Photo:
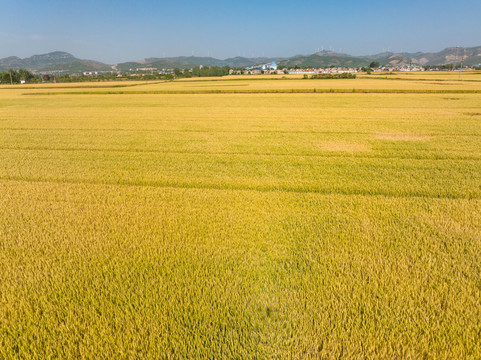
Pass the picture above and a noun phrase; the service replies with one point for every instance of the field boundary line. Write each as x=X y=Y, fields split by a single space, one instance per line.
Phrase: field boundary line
x=9 y=87
x=326 y=154
x=225 y=131
x=233 y=187
x=417 y=79
x=278 y=91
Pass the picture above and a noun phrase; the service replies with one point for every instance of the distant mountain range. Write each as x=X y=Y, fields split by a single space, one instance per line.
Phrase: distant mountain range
x=191 y=61
x=469 y=56
x=62 y=61
x=324 y=59
x=54 y=61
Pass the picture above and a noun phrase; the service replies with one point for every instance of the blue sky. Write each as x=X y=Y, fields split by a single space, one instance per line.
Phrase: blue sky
x=123 y=30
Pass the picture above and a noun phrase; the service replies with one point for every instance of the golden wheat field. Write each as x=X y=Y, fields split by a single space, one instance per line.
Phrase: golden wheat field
x=160 y=221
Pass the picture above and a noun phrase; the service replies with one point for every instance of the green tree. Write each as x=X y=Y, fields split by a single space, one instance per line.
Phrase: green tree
x=374 y=64
x=4 y=78
x=196 y=71
x=26 y=75
x=10 y=77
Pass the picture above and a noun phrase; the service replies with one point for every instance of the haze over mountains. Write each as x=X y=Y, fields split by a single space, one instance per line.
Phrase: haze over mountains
x=63 y=61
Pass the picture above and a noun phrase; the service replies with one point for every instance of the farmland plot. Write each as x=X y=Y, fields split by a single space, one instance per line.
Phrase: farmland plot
x=240 y=225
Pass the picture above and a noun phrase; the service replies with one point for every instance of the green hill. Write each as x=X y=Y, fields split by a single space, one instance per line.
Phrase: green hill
x=317 y=61
x=78 y=66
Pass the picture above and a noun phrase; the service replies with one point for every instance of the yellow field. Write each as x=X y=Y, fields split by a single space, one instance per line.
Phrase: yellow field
x=234 y=225
x=416 y=81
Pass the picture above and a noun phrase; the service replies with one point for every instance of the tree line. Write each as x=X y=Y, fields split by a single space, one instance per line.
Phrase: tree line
x=331 y=76
x=203 y=71
x=17 y=76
